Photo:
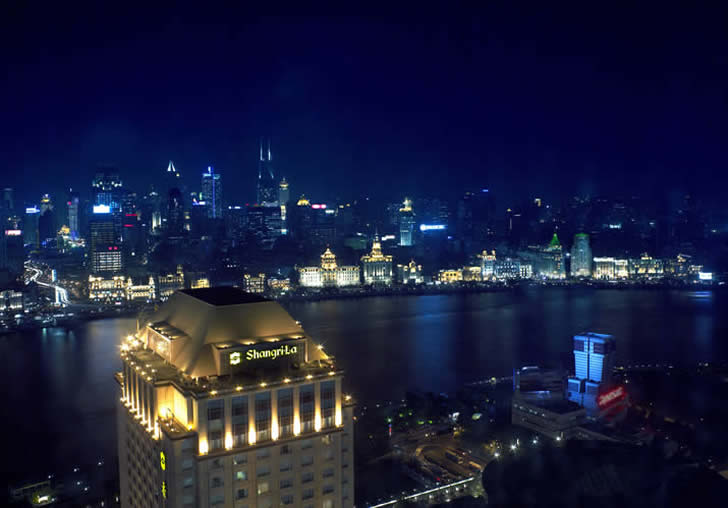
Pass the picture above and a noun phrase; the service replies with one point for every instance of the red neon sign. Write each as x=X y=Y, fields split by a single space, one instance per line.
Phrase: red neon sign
x=611 y=397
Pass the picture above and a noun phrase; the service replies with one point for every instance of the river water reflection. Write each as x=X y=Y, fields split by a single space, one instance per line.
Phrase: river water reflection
x=60 y=392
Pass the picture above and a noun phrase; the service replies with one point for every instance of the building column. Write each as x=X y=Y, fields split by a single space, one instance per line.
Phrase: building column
x=252 y=435
x=296 y=411
x=274 y=429
x=337 y=402
x=317 y=406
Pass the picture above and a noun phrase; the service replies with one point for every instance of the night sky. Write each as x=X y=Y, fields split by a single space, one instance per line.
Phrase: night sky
x=526 y=101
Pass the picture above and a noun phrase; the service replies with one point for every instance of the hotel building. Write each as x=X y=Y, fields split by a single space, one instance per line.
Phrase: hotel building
x=226 y=401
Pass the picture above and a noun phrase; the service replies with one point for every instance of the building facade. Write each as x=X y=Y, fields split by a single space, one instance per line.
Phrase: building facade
x=594 y=361
x=411 y=273
x=581 y=256
x=245 y=411
x=406 y=224
x=377 y=267
x=329 y=274
x=212 y=193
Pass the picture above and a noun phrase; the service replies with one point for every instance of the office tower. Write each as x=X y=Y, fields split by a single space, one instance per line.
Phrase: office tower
x=30 y=226
x=212 y=193
x=581 y=256
x=594 y=361
x=475 y=220
x=131 y=235
x=12 y=252
x=104 y=250
x=264 y=224
x=46 y=221
x=73 y=205
x=267 y=189
x=376 y=267
x=283 y=197
x=226 y=401
x=329 y=274
x=406 y=224
x=8 y=201
x=410 y=273
x=175 y=212
x=106 y=187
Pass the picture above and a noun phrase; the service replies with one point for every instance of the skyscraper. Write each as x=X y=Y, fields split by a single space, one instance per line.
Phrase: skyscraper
x=267 y=189
x=30 y=226
x=226 y=401
x=212 y=193
x=46 y=221
x=73 y=203
x=594 y=361
x=103 y=243
x=283 y=197
x=581 y=256
x=406 y=224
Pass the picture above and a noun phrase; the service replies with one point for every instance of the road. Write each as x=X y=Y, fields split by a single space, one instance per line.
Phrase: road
x=35 y=276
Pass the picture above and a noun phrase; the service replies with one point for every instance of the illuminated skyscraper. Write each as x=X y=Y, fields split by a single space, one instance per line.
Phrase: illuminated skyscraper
x=226 y=401
x=581 y=256
x=376 y=267
x=30 y=226
x=594 y=361
x=283 y=197
x=212 y=193
x=104 y=248
x=267 y=189
x=406 y=224
x=46 y=221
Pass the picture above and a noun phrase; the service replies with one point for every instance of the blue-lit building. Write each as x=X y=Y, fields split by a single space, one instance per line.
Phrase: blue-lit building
x=212 y=193
x=594 y=360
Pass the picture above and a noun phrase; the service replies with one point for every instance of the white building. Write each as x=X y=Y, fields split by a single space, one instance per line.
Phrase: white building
x=329 y=274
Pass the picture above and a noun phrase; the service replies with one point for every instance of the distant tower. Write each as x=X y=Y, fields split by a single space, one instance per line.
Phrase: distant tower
x=406 y=224
x=581 y=256
x=74 y=200
x=212 y=193
x=267 y=188
x=283 y=197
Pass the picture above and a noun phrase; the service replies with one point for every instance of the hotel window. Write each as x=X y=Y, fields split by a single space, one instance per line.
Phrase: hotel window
x=287 y=499
x=263 y=487
x=328 y=503
x=328 y=489
x=578 y=345
x=262 y=416
x=215 y=413
x=328 y=389
x=240 y=459
x=307 y=460
x=215 y=481
x=217 y=500
x=285 y=411
x=307 y=407
x=599 y=348
x=241 y=475
x=286 y=483
x=263 y=470
x=328 y=473
x=307 y=494
x=286 y=450
x=306 y=477
x=241 y=494
x=263 y=453
x=240 y=421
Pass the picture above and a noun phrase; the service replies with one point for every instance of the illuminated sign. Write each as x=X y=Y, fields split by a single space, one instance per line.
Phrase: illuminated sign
x=317 y=207
x=32 y=210
x=13 y=232
x=705 y=275
x=102 y=209
x=163 y=461
x=236 y=357
x=614 y=395
x=432 y=227
x=164 y=490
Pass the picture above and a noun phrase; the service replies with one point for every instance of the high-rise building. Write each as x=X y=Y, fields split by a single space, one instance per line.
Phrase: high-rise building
x=284 y=196
x=581 y=256
x=267 y=189
x=31 y=218
x=175 y=212
x=103 y=244
x=406 y=224
x=377 y=267
x=46 y=221
x=329 y=274
x=264 y=223
x=226 y=401
x=475 y=220
x=594 y=361
x=212 y=193
x=73 y=204
x=12 y=252
x=106 y=188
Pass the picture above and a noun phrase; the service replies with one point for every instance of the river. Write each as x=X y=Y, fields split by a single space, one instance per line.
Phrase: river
x=60 y=392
